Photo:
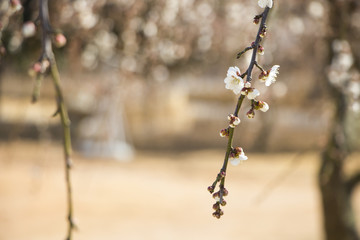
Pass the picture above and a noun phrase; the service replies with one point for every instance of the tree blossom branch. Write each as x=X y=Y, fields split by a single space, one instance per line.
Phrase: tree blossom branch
x=234 y=81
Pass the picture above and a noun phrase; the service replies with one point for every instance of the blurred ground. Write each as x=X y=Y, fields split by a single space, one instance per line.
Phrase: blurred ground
x=156 y=196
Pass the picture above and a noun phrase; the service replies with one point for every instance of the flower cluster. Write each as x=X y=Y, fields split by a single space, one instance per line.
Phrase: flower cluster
x=236 y=82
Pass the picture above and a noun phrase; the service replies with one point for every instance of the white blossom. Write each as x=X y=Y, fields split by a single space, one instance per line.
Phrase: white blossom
x=233 y=81
x=271 y=76
x=264 y=107
x=237 y=156
x=265 y=3
x=253 y=93
x=28 y=29
x=237 y=160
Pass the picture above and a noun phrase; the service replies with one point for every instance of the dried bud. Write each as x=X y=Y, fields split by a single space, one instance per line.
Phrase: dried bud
x=28 y=29
x=261 y=50
x=210 y=189
x=60 y=40
x=222 y=174
x=223 y=202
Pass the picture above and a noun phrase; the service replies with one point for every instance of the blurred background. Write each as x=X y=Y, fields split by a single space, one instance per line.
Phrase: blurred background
x=143 y=82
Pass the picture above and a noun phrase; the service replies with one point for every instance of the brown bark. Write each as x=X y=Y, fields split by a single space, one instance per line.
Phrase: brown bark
x=339 y=221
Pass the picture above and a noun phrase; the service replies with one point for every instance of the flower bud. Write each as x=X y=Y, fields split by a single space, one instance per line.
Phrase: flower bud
x=222 y=174
x=234 y=121
x=15 y=5
x=225 y=192
x=216 y=206
x=28 y=29
x=248 y=84
x=261 y=105
x=224 y=132
x=250 y=114
x=252 y=93
x=263 y=32
x=263 y=75
x=216 y=196
x=60 y=40
x=210 y=189
x=261 y=50
x=256 y=20
x=223 y=202
x=216 y=214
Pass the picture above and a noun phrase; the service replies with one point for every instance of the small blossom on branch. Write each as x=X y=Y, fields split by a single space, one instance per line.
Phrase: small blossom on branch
x=28 y=29
x=251 y=93
x=234 y=121
x=237 y=155
x=233 y=80
x=224 y=132
x=265 y=3
x=269 y=77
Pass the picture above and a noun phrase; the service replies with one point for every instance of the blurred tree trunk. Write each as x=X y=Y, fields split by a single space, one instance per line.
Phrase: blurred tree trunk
x=336 y=188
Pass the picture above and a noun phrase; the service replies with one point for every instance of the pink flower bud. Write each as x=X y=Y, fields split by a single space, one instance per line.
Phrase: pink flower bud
x=37 y=67
x=60 y=40
x=15 y=5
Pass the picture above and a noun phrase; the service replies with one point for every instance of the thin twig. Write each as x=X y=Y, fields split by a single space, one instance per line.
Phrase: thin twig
x=48 y=54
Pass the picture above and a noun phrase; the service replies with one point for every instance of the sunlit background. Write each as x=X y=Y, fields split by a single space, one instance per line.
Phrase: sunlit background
x=144 y=85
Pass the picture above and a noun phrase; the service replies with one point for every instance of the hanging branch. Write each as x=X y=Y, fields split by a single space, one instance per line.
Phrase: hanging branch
x=47 y=63
x=235 y=82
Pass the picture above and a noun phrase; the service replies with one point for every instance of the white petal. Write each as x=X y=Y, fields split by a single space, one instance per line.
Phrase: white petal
x=234 y=161
x=253 y=94
x=233 y=71
x=265 y=3
x=265 y=107
x=242 y=157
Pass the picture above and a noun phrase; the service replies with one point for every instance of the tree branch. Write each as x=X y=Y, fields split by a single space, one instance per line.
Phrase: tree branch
x=48 y=55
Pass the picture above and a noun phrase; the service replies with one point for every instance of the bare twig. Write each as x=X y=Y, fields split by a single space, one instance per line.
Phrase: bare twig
x=49 y=58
